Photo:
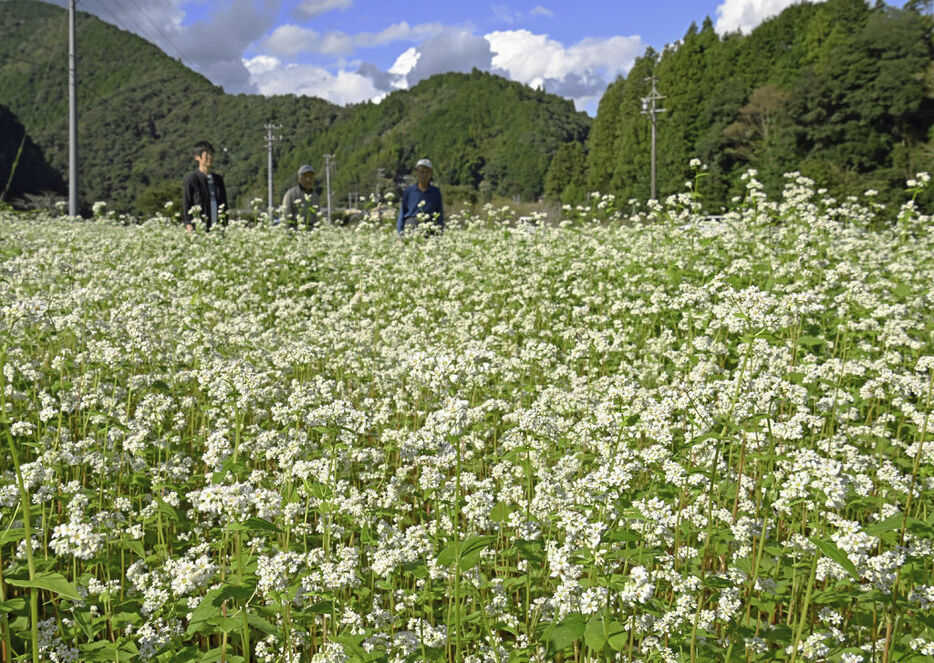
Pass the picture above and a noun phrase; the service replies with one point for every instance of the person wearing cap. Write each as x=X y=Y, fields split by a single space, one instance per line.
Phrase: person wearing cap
x=300 y=203
x=421 y=201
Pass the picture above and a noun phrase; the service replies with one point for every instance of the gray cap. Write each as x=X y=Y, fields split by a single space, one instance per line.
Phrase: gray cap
x=424 y=162
x=305 y=169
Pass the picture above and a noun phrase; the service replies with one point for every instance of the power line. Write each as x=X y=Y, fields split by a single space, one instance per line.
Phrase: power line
x=17 y=58
x=130 y=21
x=159 y=30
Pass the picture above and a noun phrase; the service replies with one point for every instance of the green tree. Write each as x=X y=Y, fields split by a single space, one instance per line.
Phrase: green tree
x=567 y=175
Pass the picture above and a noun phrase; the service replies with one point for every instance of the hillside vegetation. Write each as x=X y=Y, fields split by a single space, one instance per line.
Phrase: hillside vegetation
x=141 y=111
x=23 y=168
x=841 y=91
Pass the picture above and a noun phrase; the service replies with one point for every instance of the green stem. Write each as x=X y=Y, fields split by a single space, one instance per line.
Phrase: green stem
x=30 y=562
x=802 y=620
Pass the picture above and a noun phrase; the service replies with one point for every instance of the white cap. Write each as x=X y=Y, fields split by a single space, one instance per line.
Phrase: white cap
x=424 y=162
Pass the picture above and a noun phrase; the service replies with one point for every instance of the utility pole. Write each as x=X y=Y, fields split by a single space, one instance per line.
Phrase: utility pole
x=380 y=174
x=327 y=177
x=270 y=139
x=650 y=108
x=72 y=115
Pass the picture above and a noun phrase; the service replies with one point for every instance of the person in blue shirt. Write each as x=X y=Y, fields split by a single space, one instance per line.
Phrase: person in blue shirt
x=421 y=201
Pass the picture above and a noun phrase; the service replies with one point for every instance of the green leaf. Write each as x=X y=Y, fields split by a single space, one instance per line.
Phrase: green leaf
x=82 y=620
x=227 y=624
x=500 y=512
x=162 y=387
x=618 y=636
x=832 y=551
x=567 y=632
x=261 y=624
x=53 y=582
x=136 y=547
x=533 y=551
x=902 y=291
x=12 y=536
x=322 y=607
x=594 y=634
x=210 y=606
x=810 y=341
x=254 y=524
x=717 y=582
x=470 y=550
x=13 y=605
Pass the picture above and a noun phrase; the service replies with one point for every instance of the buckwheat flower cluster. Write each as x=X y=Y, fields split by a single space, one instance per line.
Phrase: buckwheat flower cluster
x=277 y=571
x=188 y=575
x=52 y=647
x=76 y=538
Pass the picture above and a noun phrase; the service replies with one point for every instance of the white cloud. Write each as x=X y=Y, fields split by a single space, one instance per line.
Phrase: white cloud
x=405 y=62
x=452 y=50
x=526 y=56
x=343 y=87
x=505 y=14
x=292 y=39
x=744 y=15
x=510 y=16
x=311 y=8
x=400 y=32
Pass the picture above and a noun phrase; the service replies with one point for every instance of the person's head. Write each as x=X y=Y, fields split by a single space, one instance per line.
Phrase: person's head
x=204 y=155
x=306 y=177
x=423 y=171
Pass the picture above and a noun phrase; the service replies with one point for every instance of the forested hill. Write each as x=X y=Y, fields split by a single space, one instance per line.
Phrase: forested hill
x=141 y=111
x=32 y=174
x=841 y=91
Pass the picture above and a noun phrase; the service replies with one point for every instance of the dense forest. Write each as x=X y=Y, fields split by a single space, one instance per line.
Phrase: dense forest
x=141 y=112
x=842 y=91
x=23 y=168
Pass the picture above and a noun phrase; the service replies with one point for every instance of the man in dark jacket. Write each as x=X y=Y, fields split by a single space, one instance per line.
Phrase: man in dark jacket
x=204 y=190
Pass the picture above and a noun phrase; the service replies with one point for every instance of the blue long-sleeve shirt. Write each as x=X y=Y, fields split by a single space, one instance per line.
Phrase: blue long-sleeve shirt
x=426 y=204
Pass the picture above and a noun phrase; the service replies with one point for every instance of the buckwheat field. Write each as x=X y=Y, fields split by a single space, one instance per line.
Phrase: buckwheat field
x=640 y=434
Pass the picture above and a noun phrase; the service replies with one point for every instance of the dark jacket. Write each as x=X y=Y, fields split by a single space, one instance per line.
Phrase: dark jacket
x=195 y=192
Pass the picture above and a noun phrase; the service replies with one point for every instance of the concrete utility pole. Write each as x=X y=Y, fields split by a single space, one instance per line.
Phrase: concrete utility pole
x=270 y=139
x=650 y=108
x=72 y=115
x=327 y=177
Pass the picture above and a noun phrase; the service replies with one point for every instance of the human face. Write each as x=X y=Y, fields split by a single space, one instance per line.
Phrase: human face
x=205 y=161
x=307 y=180
x=423 y=175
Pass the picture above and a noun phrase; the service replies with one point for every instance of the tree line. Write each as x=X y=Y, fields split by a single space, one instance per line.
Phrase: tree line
x=840 y=91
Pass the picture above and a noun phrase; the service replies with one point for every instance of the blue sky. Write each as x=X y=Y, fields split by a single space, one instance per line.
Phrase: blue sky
x=348 y=51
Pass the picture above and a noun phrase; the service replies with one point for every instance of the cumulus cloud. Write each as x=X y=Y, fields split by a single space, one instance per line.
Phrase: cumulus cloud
x=292 y=39
x=744 y=15
x=215 y=46
x=581 y=71
x=454 y=50
x=272 y=76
